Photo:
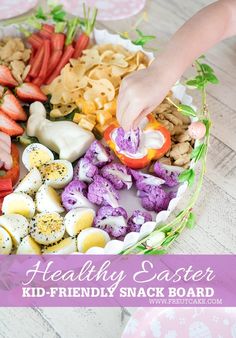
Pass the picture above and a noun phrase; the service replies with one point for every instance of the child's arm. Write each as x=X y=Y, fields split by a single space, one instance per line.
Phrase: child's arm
x=142 y=91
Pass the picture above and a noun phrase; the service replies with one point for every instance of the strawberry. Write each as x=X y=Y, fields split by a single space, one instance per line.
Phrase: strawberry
x=6 y=78
x=9 y=126
x=12 y=107
x=30 y=92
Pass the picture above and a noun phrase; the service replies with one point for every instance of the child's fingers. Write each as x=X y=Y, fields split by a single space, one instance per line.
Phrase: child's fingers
x=141 y=116
x=130 y=114
x=122 y=104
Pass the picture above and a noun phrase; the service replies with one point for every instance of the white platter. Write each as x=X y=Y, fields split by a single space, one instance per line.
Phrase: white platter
x=132 y=203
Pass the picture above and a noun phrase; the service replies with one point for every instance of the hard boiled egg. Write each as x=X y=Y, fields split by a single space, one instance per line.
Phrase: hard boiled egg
x=48 y=200
x=16 y=225
x=64 y=247
x=47 y=228
x=19 y=203
x=57 y=173
x=30 y=183
x=90 y=237
x=5 y=242
x=78 y=219
x=28 y=246
x=36 y=155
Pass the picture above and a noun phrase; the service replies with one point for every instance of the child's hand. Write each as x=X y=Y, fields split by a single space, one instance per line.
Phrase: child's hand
x=140 y=93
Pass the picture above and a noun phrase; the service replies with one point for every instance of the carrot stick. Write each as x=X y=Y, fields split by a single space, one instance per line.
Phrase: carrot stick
x=81 y=44
x=68 y=52
x=35 y=68
x=45 y=62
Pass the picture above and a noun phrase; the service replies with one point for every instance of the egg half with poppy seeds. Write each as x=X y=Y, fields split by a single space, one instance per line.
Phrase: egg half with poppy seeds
x=48 y=200
x=65 y=246
x=91 y=237
x=18 y=203
x=57 y=173
x=47 y=228
x=5 y=242
x=28 y=246
x=30 y=183
x=35 y=155
x=16 y=225
x=78 y=219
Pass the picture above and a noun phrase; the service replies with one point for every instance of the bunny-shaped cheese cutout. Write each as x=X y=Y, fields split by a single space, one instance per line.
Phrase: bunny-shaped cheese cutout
x=64 y=137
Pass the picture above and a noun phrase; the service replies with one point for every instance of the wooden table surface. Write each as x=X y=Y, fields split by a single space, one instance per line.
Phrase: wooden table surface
x=215 y=209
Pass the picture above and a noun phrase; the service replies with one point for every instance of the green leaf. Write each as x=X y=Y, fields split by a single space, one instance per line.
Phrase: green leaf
x=191 y=221
x=186 y=110
x=212 y=78
x=207 y=124
x=170 y=239
x=142 y=39
x=206 y=68
x=192 y=83
x=187 y=175
x=155 y=252
x=40 y=14
x=198 y=152
x=58 y=14
x=169 y=229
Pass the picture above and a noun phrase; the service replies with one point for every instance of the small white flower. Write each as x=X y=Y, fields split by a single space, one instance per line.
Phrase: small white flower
x=131 y=327
x=171 y=334
x=143 y=334
x=156 y=328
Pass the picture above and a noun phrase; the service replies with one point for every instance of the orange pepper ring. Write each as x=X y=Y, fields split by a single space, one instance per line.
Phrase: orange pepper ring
x=152 y=154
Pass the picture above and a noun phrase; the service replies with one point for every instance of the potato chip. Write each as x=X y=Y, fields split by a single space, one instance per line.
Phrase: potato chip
x=110 y=58
x=101 y=72
x=98 y=88
x=90 y=58
x=65 y=109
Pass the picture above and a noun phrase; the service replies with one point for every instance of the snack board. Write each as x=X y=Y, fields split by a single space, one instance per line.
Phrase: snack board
x=128 y=199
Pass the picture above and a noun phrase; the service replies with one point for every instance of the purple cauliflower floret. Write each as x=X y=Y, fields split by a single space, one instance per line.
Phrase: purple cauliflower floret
x=85 y=170
x=137 y=219
x=170 y=177
x=74 y=196
x=98 y=155
x=128 y=141
x=155 y=198
x=112 y=220
x=102 y=192
x=142 y=180
x=118 y=175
